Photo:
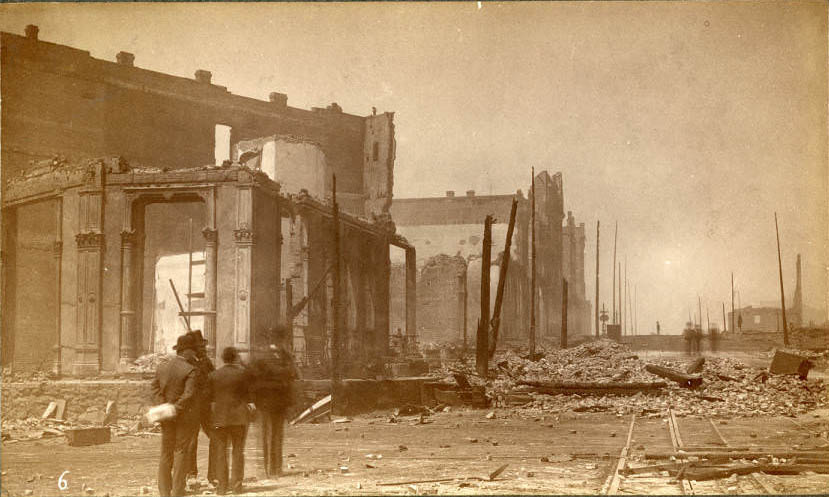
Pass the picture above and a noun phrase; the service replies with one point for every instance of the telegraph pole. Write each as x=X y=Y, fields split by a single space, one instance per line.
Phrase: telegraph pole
x=625 y=313
x=532 y=270
x=635 y=311
x=596 y=302
x=732 y=303
x=724 y=326
x=782 y=295
x=619 y=279
x=615 y=237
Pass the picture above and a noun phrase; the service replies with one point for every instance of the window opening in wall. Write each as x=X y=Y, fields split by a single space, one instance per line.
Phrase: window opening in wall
x=376 y=151
x=221 y=150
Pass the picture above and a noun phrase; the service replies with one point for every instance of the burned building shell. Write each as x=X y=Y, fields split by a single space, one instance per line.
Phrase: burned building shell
x=447 y=233
x=104 y=183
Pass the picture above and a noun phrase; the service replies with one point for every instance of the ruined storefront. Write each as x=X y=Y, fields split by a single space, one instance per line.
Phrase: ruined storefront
x=90 y=245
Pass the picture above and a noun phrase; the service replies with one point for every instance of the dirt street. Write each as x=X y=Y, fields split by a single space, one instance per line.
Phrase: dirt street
x=564 y=453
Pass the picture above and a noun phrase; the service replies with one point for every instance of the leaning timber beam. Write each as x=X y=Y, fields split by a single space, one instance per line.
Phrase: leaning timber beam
x=686 y=380
x=555 y=388
x=753 y=454
x=502 y=280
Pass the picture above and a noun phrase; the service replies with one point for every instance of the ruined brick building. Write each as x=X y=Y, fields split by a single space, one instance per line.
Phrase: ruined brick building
x=447 y=233
x=110 y=173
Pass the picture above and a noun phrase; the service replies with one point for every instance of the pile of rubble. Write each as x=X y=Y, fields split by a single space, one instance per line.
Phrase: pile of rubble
x=591 y=376
x=148 y=363
x=37 y=428
x=10 y=376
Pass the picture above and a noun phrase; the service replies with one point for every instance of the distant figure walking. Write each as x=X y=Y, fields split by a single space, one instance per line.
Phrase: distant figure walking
x=697 y=341
x=688 y=336
x=658 y=329
x=175 y=383
x=713 y=339
x=231 y=410
x=274 y=393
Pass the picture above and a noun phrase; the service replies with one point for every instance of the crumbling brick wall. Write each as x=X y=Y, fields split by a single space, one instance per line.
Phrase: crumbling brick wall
x=440 y=303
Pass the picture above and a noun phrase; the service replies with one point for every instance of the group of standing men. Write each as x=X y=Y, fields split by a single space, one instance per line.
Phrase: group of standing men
x=222 y=402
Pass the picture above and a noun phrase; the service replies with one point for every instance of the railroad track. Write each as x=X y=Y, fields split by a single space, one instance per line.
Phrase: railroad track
x=628 y=480
x=656 y=479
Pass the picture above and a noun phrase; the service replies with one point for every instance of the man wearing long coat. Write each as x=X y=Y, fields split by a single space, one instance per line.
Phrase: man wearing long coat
x=175 y=383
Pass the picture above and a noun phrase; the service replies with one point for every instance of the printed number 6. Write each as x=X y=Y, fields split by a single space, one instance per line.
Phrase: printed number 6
x=63 y=484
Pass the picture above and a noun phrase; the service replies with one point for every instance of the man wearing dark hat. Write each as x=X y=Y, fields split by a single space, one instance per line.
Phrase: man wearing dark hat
x=229 y=388
x=175 y=383
x=274 y=394
x=204 y=366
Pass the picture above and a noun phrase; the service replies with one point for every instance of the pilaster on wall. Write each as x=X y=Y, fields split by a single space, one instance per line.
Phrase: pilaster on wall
x=211 y=257
x=90 y=243
x=244 y=240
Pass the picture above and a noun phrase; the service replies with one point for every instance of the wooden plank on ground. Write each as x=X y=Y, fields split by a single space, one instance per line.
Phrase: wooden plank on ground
x=676 y=429
x=718 y=432
x=613 y=487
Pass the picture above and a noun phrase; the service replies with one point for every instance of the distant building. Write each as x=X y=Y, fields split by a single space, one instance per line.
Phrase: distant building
x=769 y=318
x=758 y=318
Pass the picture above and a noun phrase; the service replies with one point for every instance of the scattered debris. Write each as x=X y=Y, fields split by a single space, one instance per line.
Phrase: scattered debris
x=50 y=409
x=148 y=363
x=88 y=436
x=317 y=409
x=787 y=363
x=724 y=386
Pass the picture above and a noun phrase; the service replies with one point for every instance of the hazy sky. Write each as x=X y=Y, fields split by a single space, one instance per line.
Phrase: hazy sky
x=689 y=123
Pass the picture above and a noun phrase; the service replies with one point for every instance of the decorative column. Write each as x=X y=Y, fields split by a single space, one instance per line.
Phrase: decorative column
x=210 y=260
x=127 y=350
x=57 y=252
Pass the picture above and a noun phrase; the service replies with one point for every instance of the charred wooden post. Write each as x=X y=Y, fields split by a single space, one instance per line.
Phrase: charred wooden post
x=782 y=294
x=564 y=313
x=502 y=280
x=482 y=347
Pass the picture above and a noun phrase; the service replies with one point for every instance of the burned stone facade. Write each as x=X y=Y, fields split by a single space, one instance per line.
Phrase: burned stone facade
x=579 y=311
x=449 y=229
x=84 y=238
